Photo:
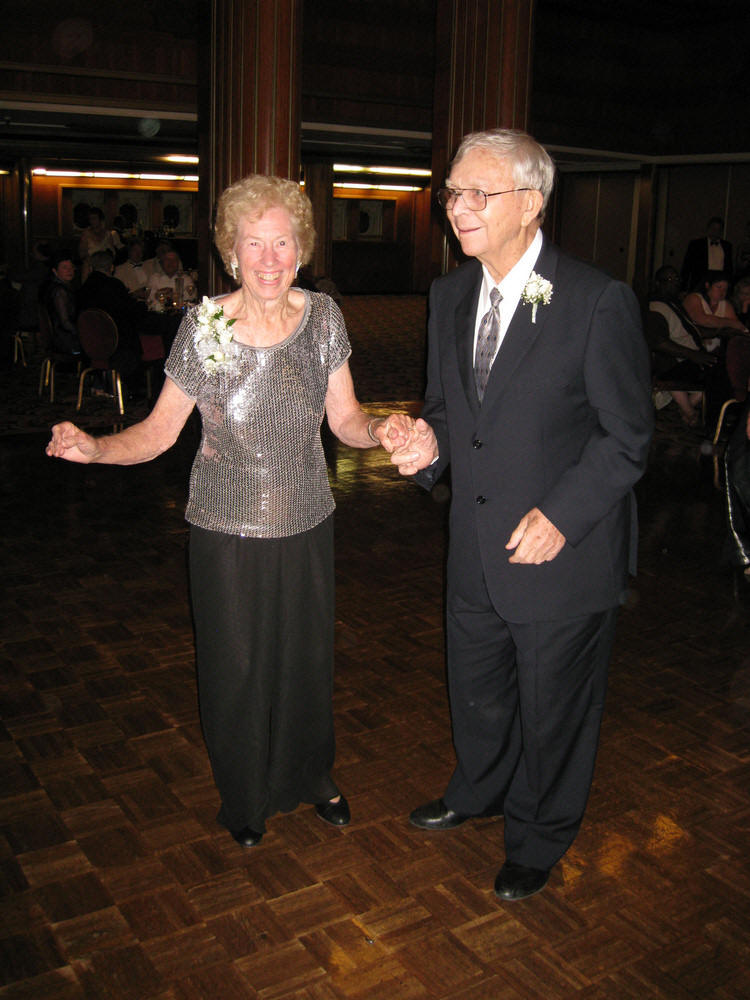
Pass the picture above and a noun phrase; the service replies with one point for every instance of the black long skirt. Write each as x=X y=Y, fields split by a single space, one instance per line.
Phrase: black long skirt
x=264 y=616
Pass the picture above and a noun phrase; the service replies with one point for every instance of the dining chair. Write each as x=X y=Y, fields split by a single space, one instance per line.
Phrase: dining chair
x=51 y=357
x=152 y=352
x=97 y=332
x=725 y=406
x=19 y=353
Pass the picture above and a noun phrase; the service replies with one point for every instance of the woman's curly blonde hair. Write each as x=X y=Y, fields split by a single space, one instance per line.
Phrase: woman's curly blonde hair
x=251 y=197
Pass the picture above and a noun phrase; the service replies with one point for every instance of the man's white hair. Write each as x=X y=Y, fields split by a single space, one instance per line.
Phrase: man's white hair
x=531 y=164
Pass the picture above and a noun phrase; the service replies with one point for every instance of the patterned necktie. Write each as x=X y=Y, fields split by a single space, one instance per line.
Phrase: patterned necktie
x=489 y=331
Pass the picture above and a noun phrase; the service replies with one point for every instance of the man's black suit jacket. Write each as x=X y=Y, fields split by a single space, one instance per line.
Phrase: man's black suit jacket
x=565 y=426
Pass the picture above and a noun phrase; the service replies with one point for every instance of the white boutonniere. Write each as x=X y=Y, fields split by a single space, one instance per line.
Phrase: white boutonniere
x=537 y=292
x=213 y=336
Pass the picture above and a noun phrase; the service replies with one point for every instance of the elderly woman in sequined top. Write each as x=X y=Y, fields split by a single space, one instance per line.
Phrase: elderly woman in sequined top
x=263 y=365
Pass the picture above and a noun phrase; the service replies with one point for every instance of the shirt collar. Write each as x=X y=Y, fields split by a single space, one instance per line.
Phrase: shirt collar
x=511 y=286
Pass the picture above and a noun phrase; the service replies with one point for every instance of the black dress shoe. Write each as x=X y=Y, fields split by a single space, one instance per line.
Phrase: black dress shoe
x=246 y=837
x=335 y=813
x=518 y=882
x=436 y=816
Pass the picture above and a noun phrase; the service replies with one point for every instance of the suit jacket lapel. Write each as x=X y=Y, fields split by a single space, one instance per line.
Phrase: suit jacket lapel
x=465 y=316
x=522 y=333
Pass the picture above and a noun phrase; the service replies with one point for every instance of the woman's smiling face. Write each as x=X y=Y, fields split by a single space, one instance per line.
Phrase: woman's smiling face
x=267 y=253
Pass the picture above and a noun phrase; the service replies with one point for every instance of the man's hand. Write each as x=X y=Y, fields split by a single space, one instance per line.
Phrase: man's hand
x=535 y=539
x=419 y=450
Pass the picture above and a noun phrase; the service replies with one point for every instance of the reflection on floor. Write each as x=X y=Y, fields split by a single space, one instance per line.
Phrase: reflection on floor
x=117 y=882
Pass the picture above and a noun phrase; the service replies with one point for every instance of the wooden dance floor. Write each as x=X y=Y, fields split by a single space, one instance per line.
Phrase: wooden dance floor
x=117 y=883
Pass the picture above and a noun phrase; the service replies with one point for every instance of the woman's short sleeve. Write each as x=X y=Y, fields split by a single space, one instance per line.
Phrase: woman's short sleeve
x=183 y=365
x=339 y=347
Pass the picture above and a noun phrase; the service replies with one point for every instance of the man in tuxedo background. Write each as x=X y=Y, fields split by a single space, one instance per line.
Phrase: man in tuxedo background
x=538 y=397
x=708 y=253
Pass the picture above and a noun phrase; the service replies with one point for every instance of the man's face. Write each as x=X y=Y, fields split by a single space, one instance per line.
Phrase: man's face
x=497 y=232
x=714 y=230
x=170 y=262
x=135 y=253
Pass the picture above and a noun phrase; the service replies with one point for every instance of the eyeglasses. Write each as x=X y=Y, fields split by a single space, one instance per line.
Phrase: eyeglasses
x=475 y=200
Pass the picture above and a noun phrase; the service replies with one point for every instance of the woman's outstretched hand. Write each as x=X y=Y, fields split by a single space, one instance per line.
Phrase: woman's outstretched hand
x=72 y=444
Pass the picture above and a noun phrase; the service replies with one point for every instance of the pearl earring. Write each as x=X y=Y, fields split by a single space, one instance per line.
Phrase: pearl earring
x=233 y=268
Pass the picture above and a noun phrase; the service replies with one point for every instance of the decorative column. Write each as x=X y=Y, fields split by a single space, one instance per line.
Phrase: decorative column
x=482 y=80
x=319 y=189
x=249 y=104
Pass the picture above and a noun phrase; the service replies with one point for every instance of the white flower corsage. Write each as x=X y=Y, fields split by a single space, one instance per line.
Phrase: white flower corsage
x=212 y=336
x=537 y=292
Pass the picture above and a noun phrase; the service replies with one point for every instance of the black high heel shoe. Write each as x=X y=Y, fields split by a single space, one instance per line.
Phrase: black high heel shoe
x=335 y=813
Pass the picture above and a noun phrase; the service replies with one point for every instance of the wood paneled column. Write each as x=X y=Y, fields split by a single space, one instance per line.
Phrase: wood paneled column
x=319 y=189
x=482 y=80
x=250 y=97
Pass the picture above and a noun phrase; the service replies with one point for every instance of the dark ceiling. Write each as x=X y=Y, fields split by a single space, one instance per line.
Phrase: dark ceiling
x=646 y=77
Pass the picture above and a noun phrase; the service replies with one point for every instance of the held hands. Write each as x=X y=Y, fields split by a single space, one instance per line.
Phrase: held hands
x=414 y=444
x=535 y=539
x=394 y=431
x=72 y=444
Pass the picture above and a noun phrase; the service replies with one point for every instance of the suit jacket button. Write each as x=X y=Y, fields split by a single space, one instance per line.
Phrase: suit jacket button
x=481 y=499
x=476 y=443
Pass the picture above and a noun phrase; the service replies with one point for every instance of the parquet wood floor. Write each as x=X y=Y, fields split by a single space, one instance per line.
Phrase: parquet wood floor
x=116 y=881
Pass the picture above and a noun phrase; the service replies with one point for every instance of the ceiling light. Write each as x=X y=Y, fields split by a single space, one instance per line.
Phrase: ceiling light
x=107 y=175
x=349 y=168
x=358 y=186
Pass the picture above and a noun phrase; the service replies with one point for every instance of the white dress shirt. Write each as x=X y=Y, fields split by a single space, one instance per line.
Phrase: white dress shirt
x=715 y=257
x=133 y=276
x=511 y=287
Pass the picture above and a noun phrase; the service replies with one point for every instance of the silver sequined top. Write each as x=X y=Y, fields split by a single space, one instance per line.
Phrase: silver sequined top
x=260 y=469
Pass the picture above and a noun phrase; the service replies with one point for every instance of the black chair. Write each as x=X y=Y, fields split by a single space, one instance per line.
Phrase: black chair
x=19 y=354
x=51 y=357
x=97 y=332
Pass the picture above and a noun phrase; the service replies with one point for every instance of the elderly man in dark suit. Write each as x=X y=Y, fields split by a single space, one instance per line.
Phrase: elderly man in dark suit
x=708 y=253
x=538 y=397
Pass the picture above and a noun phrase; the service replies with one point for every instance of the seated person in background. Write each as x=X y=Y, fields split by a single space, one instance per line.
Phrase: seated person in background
x=741 y=300
x=709 y=306
x=132 y=273
x=154 y=264
x=708 y=253
x=103 y=291
x=118 y=227
x=31 y=281
x=678 y=346
x=742 y=264
x=711 y=309
x=60 y=301
x=164 y=284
